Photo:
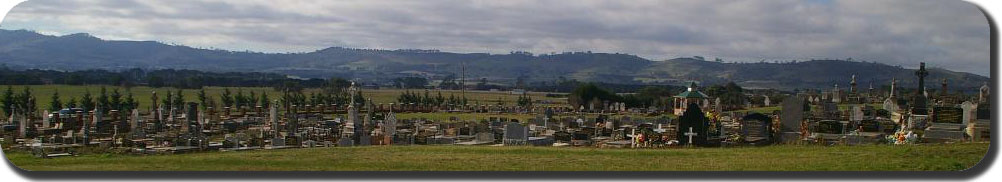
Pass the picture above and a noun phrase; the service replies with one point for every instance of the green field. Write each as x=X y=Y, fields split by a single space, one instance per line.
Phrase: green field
x=949 y=157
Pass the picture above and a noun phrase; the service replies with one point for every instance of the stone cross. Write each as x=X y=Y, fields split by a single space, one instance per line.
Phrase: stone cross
x=633 y=133
x=919 y=101
x=691 y=134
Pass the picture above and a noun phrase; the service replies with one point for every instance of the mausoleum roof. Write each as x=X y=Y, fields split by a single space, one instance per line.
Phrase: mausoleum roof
x=691 y=94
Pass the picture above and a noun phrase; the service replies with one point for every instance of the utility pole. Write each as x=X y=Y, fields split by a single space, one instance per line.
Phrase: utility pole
x=462 y=83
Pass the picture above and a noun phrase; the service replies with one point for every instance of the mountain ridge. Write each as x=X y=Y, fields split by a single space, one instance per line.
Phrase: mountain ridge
x=82 y=51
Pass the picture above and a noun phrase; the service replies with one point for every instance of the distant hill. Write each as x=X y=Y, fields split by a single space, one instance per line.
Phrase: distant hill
x=19 y=48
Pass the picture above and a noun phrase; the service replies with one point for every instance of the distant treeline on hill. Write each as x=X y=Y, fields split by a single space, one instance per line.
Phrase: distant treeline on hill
x=188 y=79
x=191 y=79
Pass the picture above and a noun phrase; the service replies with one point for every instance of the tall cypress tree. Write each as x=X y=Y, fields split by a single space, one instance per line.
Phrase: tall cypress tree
x=7 y=99
x=226 y=98
x=116 y=100
x=202 y=99
x=179 y=99
x=87 y=102
x=72 y=103
x=264 y=100
x=102 y=101
x=55 y=104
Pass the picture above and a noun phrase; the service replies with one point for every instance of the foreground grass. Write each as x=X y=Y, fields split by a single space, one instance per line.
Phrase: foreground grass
x=948 y=157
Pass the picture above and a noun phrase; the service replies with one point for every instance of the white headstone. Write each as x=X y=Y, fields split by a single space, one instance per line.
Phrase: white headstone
x=273 y=118
x=46 y=119
x=22 y=125
x=970 y=111
x=391 y=125
x=857 y=113
x=135 y=120
x=98 y=117
x=890 y=105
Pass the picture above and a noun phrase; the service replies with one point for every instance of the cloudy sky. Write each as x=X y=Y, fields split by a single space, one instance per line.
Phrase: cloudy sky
x=944 y=33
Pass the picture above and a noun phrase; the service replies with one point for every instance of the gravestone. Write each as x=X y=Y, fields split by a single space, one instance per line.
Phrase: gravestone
x=364 y=140
x=756 y=129
x=135 y=123
x=870 y=126
x=890 y=105
x=484 y=137
x=830 y=110
x=46 y=119
x=917 y=122
x=390 y=125
x=190 y=118
x=496 y=124
x=440 y=140
x=22 y=124
x=626 y=120
x=717 y=107
x=947 y=125
x=830 y=127
x=829 y=132
x=230 y=141
x=857 y=114
x=310 y=143
x=277 y=142
x=515 y=134
x=969 y=111
x=950 y=115
x=273 y=119
x=792 y=114
x=693 y=119
x=345 y=142
x=540 y=141
x=538 y=121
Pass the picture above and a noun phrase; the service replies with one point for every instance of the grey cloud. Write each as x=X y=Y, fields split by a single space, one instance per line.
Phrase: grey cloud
x=948 y=34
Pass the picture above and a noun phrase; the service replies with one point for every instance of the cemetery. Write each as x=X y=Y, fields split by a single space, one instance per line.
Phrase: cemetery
x=837 y=119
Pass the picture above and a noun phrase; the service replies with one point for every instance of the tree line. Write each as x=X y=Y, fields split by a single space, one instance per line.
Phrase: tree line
x=105 y=101
x=185 y=79
x=427 y=100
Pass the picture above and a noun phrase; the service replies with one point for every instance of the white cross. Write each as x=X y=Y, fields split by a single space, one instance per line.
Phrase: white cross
x=691 y=134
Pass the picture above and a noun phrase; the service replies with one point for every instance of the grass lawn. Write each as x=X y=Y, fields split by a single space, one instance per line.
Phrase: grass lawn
x=949 y=157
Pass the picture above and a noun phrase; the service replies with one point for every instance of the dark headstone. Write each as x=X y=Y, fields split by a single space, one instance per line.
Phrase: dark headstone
x=952 y=115
x=515 y=134
x=792 y=114
x=693 y=119
x=830 y=127
x=757 y=128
